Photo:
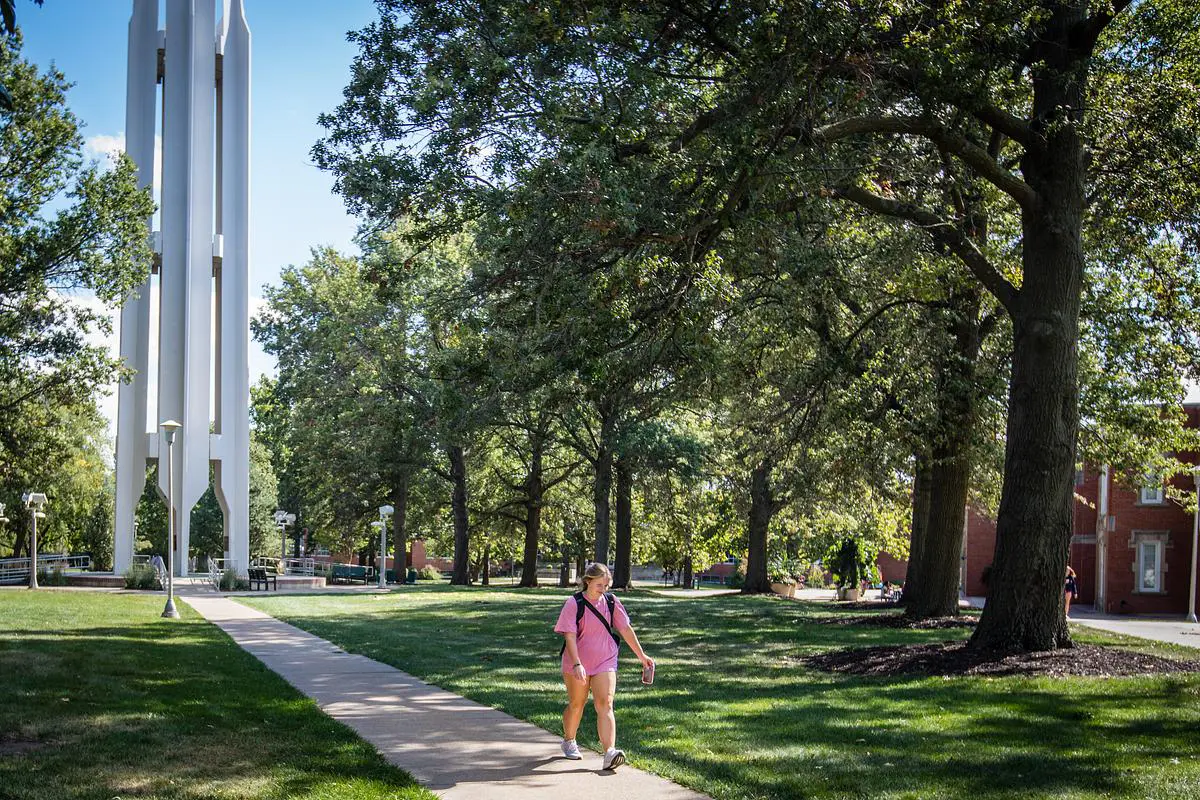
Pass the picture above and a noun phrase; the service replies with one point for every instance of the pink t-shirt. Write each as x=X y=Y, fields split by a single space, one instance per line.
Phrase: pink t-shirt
x=597 y=650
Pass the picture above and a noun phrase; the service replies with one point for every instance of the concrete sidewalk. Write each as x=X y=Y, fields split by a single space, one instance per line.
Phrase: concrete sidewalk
x=457 y=748
x=1173 y=631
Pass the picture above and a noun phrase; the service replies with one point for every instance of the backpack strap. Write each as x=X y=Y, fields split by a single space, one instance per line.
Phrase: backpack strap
x=582 y=605
x=579 y=603
x=611 y=610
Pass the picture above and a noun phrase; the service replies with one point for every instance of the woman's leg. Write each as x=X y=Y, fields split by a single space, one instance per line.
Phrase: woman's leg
x=1067 y=600
x=577 y=694
x=604 y=686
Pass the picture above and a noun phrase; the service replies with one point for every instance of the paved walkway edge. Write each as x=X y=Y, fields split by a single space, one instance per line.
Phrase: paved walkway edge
x=457 y=748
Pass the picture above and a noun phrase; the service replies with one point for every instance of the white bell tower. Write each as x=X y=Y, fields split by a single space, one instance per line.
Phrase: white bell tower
x=201 y=265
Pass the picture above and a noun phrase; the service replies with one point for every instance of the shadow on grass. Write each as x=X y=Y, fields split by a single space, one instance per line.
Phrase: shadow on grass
x=119 y=702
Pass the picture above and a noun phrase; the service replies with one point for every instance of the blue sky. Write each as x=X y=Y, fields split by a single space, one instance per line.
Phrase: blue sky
x=300 y=64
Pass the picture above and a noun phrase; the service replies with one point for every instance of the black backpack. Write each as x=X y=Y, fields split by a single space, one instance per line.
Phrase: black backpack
x=580 y=604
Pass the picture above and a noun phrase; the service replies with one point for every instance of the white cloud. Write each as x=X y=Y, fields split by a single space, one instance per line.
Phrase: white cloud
x=105 y=148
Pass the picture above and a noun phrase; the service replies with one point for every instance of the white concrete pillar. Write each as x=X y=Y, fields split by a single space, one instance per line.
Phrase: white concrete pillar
x=141 y=95
x=232 y=469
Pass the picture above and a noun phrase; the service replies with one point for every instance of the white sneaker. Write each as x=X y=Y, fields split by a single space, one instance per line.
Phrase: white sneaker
x=571 y=750
x=613 y=758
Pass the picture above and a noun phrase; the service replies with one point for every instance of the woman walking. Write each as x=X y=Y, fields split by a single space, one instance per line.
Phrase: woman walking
x=590 y=621
x=1070 y=590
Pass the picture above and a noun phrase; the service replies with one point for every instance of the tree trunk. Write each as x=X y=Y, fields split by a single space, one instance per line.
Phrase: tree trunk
x=623 y=567
x=937 y=594
x=458 y=503
x=939 y=566
x=686 y=579
x=602 y=489
x=920 y=524
x=564 y=571
x=762 y=508
x=1024 y=610
x=533 y=516
x=400 y=522
x=485 y=569
x=22 y=543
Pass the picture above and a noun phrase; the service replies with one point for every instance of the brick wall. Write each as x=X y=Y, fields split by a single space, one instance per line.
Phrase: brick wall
x=980 y=549
x=1132 y=518
x=893 y=570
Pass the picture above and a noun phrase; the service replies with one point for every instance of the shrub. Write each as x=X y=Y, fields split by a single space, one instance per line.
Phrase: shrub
x=850 y=562
x=429 y=573
x=141 y=576
x=738 y=578
x=815 y=577
x=783 y=570
x=230 y=582
x=48 y=578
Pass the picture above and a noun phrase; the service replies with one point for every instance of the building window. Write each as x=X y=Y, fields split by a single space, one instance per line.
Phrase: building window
x=1149 y=563
x=1151 y=493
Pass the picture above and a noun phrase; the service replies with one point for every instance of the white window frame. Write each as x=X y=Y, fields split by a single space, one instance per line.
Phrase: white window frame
x=1151 y=493
x=1159 y=546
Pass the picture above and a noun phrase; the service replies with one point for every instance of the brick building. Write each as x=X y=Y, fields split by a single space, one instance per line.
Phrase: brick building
x=1131 y=549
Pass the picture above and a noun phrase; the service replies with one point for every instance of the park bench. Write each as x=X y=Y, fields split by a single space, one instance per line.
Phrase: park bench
x=348 y=572
x=259 y=575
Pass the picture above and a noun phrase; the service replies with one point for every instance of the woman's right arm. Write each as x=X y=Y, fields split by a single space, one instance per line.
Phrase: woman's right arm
x=573 y=657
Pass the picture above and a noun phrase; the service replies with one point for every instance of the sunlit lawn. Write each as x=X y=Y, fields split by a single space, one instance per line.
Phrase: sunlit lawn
x=732 y=712
x=102 y=698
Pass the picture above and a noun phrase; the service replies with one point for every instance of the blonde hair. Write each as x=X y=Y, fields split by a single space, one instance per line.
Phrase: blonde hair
x=593 y=571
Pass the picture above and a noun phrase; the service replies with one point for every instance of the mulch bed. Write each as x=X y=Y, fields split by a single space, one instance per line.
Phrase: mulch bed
x=953 y=658
x=883 y=620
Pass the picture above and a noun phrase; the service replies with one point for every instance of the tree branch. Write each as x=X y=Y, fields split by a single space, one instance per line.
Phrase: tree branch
x=1084 y=37
x=967 y=152
x=943 y=233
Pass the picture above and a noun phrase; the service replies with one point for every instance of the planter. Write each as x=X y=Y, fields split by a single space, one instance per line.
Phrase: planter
x=847 y=593
x=784 y=589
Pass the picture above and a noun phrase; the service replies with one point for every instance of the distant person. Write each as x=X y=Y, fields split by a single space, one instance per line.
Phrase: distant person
x=590 y=622
x=1070 y=590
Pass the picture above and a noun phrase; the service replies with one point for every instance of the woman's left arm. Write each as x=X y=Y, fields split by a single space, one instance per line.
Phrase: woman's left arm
x=630 y=637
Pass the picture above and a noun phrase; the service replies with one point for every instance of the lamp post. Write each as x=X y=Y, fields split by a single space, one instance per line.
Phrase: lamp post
x=1191 y=617
x=170 y=428
x=34 y=502
x=283 y=519
x=385 y=511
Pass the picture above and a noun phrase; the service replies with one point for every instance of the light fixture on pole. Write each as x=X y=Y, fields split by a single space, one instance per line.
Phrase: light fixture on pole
x=385 y=511
x=169 y=429
x=1191 y=617
x=34 y=502
x=283 y=519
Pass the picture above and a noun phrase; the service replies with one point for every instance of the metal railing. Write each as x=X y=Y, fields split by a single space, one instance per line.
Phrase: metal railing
x=16 y=570
x=299 y=566
x=286 y=566
x=215 y=571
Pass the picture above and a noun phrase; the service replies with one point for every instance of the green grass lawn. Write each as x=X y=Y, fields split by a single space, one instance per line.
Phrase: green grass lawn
x=734 y=714
x=102 y=698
